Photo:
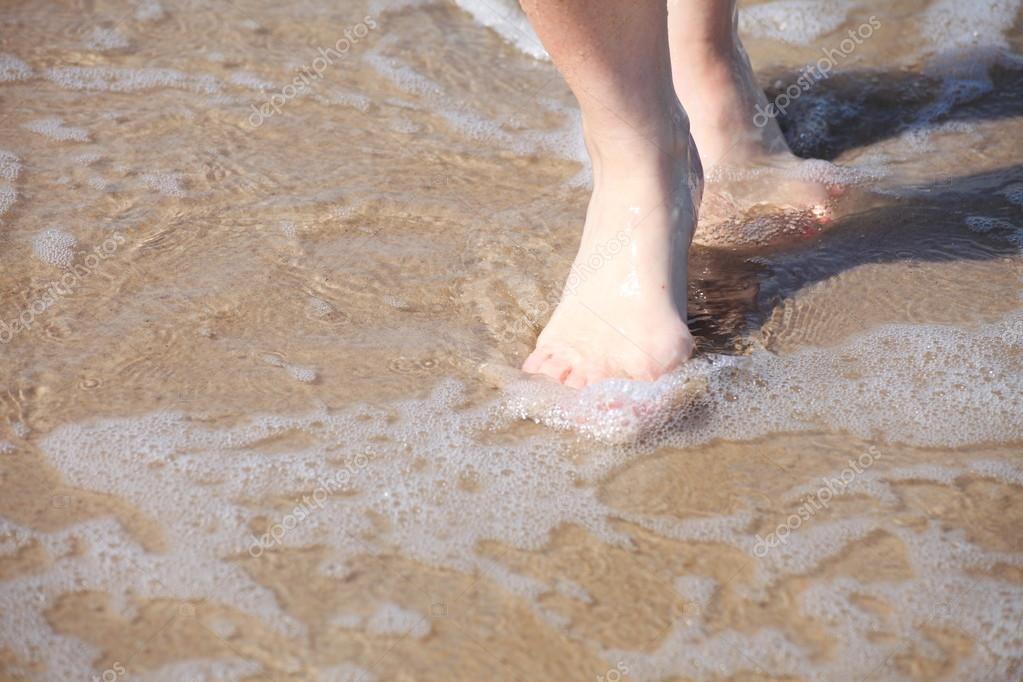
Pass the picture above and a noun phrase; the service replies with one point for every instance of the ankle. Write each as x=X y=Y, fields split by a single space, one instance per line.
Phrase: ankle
x=659 y=142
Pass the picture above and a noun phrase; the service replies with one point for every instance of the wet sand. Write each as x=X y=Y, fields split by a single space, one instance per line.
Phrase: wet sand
x=243 y=430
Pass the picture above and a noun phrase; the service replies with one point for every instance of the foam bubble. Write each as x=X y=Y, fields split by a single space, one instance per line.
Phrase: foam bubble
x=10 y=166
x=250 y=80
x=350 y=99
x=506 y=18
x=1014 y=193
x=13 y=69
x=396 y=302
x=208 y=670
x=952 y=25
x=345 y=672
x=810 y=170
x=102 y=39
x=320 y=308
x=983 y=224
x=391 y=619
x=273 y=360
x=169 y=184
x=798 y=22
x=803 y=390
x=944 y=595
x=8 y=195
x=201 y=480
x=303 y=374
x=54 y=246
x=54 y=128
x=149 y=10
x=124 y=79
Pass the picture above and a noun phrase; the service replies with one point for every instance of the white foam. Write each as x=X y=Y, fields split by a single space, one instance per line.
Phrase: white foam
x=207 y=670
x=405 y=126
x=983 y=224
x=124 y=79
x=396 y=302
x=54 y=128
x=303 y=374
x=250 y=80
x=169 y=184
x=103 y=39
x=1014 y=193
x=149 y=10
x=350 y=99
x=345 y=672
x=201 y=480
x=8 y=195
x=800 y=392
x=798 y=22
x=273 y=360
x=13 y=69
x=810 y=170
x=945 y=595
x=54 y=246
x=954 y=25
x=391 y=619
x=10 y=166
x=697 y=591
x=506 y=18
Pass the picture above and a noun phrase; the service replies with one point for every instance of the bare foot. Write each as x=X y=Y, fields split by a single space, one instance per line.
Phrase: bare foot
x=750 y=170
x=619 y=315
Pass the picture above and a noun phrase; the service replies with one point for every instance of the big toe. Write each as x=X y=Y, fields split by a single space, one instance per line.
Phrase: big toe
x=535 y=359
x=556 y=367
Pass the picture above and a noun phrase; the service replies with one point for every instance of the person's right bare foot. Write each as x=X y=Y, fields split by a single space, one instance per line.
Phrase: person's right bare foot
x=619 y=315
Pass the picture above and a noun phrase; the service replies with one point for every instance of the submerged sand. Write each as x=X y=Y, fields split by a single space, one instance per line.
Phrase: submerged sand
x=243 y=431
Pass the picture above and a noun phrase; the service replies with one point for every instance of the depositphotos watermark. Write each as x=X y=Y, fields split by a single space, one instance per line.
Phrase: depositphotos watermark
x=327 y=485
x=813 y=73
x=309 y=74
x=59 y=288
x=813 y=504
x=615 y=674
x=579 y=273
x=111 y=674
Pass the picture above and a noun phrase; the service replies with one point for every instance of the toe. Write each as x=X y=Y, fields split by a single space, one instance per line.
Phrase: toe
x=641 y=372
x=594 y=372
x=535 y=359
x=556 y=368
x=576 y=378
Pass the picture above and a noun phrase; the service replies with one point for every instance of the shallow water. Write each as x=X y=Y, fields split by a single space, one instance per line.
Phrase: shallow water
x=243 y=431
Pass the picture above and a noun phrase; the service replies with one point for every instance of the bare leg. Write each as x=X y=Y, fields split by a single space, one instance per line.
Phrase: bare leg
x=622 y=312
x=745 y=154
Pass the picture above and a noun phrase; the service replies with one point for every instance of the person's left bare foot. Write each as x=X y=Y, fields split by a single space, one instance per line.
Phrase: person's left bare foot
x=751 y=174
